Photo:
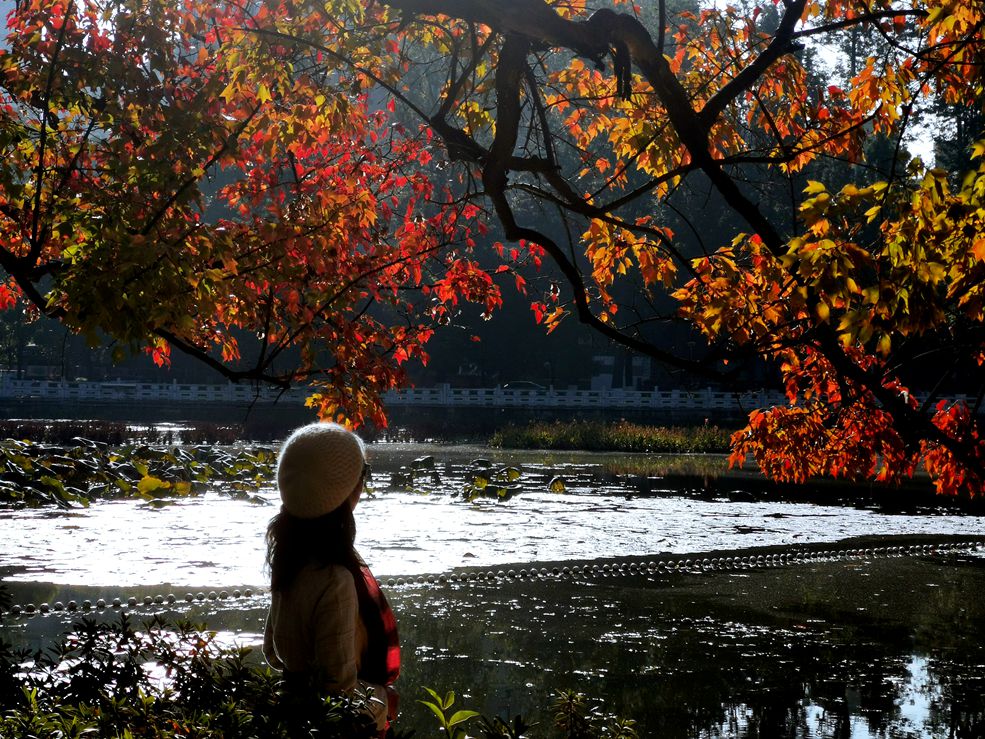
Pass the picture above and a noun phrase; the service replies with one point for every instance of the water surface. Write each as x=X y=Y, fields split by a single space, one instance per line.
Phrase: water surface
x=863 y=647
x=614 y=505
x=866 y=647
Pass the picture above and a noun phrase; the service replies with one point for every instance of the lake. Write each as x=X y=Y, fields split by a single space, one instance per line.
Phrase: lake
x=864 y=641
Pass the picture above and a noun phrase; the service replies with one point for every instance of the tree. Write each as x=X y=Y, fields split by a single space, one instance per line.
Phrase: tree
x=575 y=129
x=847 y=291
x=170 y=179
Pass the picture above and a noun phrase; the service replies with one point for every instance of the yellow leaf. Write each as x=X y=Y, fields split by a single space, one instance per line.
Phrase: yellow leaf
x=230 y=92
x=149 y=484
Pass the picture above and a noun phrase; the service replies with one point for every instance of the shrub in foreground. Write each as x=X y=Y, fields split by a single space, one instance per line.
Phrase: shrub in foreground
x=158 y=679
x=168 y=679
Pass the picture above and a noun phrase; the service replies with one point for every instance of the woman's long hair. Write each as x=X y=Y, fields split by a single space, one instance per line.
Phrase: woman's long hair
x=293 y=543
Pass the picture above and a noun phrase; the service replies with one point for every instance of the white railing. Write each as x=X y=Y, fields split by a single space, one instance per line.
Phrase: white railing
x=143 y=391
x=705 y=400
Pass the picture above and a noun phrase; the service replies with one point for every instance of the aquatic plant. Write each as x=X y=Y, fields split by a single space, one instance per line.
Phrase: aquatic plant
x=485 y=481
x=37 y=474
x=579 y=719
x=613 y=437
x=420 y=475
x=63 y=431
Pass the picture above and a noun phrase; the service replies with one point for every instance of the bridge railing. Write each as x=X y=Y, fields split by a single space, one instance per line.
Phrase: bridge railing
x=706 y=399
x=141 y=391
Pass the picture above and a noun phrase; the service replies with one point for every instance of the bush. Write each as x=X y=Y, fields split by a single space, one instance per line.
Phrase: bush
x=160 y=679
x=613 y=437
x=166 y=679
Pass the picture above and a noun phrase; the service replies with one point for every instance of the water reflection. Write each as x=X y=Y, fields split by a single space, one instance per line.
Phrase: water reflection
x=868 y=649
x=859 y=648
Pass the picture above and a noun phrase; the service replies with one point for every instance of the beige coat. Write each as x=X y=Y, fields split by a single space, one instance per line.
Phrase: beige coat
x=315 y=626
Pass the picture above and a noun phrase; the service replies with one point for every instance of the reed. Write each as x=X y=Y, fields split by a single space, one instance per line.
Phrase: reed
x=621 y=436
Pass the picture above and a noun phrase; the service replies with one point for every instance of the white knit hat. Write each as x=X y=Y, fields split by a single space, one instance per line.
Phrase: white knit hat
x=319 y=467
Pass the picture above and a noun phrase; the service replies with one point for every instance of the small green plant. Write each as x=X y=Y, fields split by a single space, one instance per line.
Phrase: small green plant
x=619 y=728
x=578 y=720
x=496 y=728
x=570 y=711
x=451 y=725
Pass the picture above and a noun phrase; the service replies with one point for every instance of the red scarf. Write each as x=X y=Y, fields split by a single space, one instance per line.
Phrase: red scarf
x=381 y=662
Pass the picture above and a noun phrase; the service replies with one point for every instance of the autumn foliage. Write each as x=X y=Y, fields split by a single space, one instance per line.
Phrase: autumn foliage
x=321 y=175
x=845 y=288
x=172 y=178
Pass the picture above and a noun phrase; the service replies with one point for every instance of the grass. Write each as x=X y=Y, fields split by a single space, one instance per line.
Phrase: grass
x=621 y=436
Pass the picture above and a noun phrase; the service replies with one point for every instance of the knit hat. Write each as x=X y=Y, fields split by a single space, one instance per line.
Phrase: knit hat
x=319 y=467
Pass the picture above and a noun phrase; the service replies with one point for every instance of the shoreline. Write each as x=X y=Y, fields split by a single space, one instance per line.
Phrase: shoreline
x=156 y=598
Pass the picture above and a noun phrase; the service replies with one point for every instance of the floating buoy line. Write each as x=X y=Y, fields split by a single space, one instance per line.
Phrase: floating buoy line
x=664 y=565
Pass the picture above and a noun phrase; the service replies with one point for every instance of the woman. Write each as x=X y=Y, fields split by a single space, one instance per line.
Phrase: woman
x=329 y=627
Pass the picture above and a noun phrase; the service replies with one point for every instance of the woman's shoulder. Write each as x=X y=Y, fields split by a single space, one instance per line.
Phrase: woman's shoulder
x=325 y=577
x=318 y=586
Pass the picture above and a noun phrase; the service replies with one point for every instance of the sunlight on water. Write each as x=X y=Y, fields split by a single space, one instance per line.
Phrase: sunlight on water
x=215 y=541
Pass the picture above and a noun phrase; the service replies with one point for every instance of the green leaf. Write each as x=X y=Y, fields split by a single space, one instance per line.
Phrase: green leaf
x=149 y=484
x=511 y=473
x=460 y=717
x=436 y=710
